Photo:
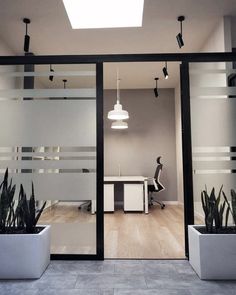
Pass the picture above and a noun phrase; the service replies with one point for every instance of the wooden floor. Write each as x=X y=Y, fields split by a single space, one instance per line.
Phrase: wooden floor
x=159 y=234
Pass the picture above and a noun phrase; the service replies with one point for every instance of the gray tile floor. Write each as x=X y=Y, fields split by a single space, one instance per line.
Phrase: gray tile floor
x=118 y=277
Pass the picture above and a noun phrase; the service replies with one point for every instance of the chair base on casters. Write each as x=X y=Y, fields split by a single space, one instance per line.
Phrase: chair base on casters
x=88 y=204
x=158 y=202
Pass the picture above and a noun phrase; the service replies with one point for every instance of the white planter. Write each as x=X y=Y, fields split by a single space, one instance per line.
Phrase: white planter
x=212 y=256
x=24 y=256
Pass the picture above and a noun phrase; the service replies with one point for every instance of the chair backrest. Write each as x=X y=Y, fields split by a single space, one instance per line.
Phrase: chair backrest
x=157 y=174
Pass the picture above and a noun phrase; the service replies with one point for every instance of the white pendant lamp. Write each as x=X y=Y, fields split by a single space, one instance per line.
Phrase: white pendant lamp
x=119 y=124
x=118 y=113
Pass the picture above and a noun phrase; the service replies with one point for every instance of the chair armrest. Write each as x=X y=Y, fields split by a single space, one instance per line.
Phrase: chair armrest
x=155 y=184
x=153 y=181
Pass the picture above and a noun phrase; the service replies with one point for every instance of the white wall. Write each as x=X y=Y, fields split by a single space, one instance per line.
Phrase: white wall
x=151 y=133
x=6 y=82
x=233 y=31
x=219 y=39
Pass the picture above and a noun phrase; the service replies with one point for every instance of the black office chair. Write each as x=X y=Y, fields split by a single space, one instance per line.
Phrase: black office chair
x=157 y=186
x=86 y=204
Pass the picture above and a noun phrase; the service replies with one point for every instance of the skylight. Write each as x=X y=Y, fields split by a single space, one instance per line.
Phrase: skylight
x=91 y=14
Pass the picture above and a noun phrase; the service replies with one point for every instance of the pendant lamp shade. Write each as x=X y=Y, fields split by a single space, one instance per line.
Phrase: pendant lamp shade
x=118 y=113
x=119 y=124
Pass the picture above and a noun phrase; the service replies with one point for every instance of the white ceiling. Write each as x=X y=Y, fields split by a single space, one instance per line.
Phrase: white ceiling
x=51 y=33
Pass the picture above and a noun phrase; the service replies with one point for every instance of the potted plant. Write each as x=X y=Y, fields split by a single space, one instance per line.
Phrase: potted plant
x=212 y=247
x=24 y=246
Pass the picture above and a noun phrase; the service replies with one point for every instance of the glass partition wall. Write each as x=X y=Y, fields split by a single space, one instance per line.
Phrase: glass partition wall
x=48 y=115
x=213 y=121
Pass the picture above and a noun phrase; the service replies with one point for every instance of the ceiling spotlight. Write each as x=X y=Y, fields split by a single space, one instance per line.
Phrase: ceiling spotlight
x=165 y=71
x=27 y=37
x=155 y=89
x=179 y=37
x=51 y=76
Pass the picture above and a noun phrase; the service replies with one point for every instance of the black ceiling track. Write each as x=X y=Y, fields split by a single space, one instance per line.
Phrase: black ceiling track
x=144 y=57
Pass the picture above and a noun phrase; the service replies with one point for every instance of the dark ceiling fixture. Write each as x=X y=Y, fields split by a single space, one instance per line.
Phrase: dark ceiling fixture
x=156 y=89
x=51 y=76
x=165 y=71
x=64 y=81
x=179 y=37
x=27 y=37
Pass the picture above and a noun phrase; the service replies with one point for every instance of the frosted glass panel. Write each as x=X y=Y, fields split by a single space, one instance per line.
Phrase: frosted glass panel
x=48 y=123
x=49 y=137
x=213 y=121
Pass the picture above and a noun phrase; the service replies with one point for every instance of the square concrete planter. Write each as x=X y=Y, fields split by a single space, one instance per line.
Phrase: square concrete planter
x=212 y=256
x=24 y=256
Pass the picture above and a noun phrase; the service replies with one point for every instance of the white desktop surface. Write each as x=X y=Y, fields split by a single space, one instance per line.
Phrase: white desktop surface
x=124 y=178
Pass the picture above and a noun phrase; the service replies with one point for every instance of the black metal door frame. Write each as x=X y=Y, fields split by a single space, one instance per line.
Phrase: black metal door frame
x=184 y=59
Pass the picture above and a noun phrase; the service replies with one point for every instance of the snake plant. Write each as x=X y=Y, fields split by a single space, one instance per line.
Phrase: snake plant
x=214 y=210
x=20 y=217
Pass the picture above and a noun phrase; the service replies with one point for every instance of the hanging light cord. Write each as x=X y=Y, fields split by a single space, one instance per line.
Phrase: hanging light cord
x=118 y=90
x=117 y=86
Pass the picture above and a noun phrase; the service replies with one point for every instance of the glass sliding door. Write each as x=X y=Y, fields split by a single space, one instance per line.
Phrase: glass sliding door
x=213 y=121
x=49 y=136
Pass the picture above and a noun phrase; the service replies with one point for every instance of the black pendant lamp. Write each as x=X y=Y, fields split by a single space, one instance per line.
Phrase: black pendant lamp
x=156 y=89
x=165 y=71
x=27 y=37
x=179 y=37
x=64 y=81
x=51 y=76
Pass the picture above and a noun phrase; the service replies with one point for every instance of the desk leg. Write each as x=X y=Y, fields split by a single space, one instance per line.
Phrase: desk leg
x=146 y=196
x=93 y=207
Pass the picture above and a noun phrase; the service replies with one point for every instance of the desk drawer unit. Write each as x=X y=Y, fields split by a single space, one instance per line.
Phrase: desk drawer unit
x=133 y=197
x=109 y=197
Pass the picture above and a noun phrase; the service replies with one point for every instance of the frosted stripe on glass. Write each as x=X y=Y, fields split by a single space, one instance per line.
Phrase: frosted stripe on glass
x=211 y=149
x=208 y=71
x=61 y=186
x=211 y=91
x=48 y=123
x=53 y=164
x=80 y=156
x=215 y=97
x=214 y=171
x=46 y=74
x=39 y=93
x=214 y=165
x=209 y=159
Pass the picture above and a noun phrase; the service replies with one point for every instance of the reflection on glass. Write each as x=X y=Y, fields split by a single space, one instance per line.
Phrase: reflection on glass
x=213 y=122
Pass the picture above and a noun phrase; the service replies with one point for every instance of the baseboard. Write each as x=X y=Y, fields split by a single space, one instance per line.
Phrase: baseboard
x=170 y=202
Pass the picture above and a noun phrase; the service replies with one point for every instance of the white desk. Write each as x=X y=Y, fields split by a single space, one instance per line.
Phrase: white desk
x=127 y=179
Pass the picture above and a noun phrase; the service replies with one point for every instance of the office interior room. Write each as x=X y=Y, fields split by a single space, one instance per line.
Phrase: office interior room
x=68 y=178
x=131 y=152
